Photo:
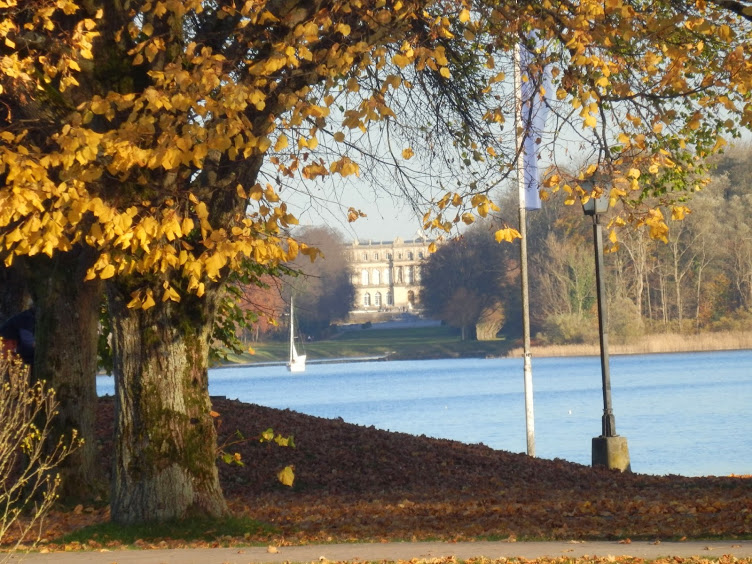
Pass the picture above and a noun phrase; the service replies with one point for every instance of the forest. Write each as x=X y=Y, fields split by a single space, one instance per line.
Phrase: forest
x=698 y=277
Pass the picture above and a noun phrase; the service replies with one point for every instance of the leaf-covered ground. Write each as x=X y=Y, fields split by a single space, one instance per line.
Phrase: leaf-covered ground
x=359 y=483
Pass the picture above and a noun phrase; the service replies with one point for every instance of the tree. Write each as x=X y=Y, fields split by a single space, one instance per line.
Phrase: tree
x=15 y=293
x=731 y=195
x=636 y=246
x=265 y=301
x=152 y=156
x=563 y=281
x=462 y=310
x=466 y=278
x=67 y=318
x=66 y=334
x=629 y=116
x=323 y=290
x=155 y=133
x=490 y=321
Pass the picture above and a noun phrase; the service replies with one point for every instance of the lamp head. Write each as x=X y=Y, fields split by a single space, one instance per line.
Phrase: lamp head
x=596 y=206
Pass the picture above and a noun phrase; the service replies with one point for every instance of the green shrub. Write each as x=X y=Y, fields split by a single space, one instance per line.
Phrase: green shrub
x=624 y=321
x=739 y=320
x=569 y=328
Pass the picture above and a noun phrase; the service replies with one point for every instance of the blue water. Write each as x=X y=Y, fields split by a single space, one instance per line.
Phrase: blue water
x=686 y=414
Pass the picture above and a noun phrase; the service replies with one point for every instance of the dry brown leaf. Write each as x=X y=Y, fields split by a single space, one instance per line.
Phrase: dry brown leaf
x=355 y=483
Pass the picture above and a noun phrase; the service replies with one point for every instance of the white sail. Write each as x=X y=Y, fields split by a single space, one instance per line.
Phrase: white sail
x=297 y=361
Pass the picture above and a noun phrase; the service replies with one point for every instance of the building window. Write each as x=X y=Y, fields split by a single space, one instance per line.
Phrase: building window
x=387 y=277
x=389 y=299
x=365 y=256
x=410 y=255
x=399 y=256
x=409 y=275
x=399 y=274
x=420 y=254
x=389 y=256
x=375 y=256
x=364 y=277
x=376 y=277
x=377 y=299
x=366 y=299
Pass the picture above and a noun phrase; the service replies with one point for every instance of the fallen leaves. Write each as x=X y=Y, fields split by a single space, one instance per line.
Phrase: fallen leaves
x=355 y=483
x=286 y=476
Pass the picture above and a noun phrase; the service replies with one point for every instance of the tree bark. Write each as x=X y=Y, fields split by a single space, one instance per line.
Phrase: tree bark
x=66 y=333
x=165 y=440
x=14 y=284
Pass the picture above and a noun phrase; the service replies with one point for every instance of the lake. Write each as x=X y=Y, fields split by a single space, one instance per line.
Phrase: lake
x=685 y=413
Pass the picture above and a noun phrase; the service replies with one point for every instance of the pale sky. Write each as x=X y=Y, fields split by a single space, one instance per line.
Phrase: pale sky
x=386 y=217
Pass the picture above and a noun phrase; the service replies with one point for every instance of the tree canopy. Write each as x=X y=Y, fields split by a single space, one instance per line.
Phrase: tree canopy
x=323 y=290
x=138 y=129
x=642 y=93
x=160 y=136
x=126 y=125
x=467 y=279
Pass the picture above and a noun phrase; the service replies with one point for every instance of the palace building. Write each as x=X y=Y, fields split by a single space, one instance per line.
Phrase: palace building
x=386 y=275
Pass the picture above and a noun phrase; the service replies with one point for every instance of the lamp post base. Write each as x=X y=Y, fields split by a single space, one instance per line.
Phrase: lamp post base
x=611 y=452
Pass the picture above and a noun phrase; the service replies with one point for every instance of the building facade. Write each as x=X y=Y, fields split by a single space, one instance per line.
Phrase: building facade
x=386 y=275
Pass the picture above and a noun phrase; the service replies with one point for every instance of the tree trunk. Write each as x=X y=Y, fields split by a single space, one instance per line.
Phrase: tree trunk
x=664 y=304
x=699 y=294
x=648 y=294
x=14 y=284
x=165 y=440
x=490 y=322
x=66 y=333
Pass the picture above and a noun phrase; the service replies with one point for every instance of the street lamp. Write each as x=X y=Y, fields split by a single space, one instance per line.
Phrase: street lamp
x=609 y=449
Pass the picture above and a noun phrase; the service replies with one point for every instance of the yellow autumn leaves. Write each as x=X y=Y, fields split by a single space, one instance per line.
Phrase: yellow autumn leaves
x=65 y=63
x=133 y=168
x=464 y=212
x=149 y=240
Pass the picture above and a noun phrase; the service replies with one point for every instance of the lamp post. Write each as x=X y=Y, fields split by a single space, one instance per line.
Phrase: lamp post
x=609 y=449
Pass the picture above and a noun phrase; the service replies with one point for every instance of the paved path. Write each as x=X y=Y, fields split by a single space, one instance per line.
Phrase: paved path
x=392 y=552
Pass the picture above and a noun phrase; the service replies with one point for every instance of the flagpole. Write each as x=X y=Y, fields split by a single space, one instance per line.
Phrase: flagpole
x=527 y=356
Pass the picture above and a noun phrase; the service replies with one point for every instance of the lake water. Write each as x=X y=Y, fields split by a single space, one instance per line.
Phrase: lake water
x=686 y=413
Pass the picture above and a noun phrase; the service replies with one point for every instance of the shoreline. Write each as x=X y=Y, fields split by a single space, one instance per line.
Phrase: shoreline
x=425 y=349
x=662 y=343
x=340 y=360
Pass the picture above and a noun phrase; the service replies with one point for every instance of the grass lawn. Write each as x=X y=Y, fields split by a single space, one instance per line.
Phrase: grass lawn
x=397 y=344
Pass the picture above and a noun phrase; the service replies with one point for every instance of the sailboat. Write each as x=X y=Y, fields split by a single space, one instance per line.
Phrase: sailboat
x=297 y=361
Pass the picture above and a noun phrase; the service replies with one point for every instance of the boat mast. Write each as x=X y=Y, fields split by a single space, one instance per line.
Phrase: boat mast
x=292 y=332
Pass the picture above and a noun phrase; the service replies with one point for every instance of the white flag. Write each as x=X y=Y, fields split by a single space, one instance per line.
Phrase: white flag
x=534 y=113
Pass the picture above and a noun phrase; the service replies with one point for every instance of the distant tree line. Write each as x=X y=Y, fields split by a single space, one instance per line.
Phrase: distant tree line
x=469 y=283
x=698 y=279
x=322 y=289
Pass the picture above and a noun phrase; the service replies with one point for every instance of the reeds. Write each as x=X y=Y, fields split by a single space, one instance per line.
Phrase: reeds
x=648 y=344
